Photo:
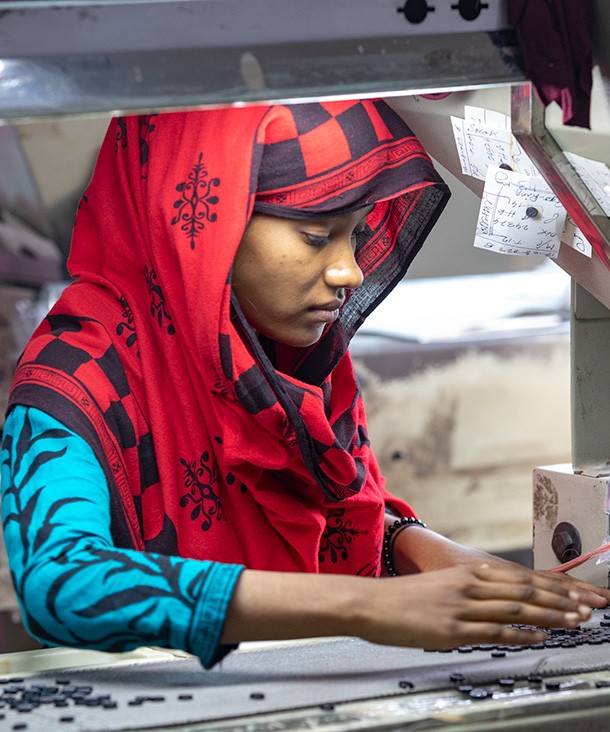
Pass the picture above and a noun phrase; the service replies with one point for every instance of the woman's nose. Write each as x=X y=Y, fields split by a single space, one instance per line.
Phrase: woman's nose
x=343 y=270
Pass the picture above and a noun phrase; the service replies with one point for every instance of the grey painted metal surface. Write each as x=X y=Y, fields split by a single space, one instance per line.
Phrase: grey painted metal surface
x=80 y=57
x=590 y=348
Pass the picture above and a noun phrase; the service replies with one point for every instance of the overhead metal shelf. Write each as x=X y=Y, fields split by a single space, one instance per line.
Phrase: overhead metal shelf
x=79 y=57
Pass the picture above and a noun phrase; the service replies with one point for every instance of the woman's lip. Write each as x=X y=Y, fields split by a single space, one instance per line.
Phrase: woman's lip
x=325 y=315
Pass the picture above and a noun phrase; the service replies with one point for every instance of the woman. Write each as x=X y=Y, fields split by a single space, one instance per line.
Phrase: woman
x=186 y=460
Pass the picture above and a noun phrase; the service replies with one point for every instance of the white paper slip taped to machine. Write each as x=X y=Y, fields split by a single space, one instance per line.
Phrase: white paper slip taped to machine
x=519 y=214
x=573 y=237
x=595 y=175
x=480 y=146
x=486 y=117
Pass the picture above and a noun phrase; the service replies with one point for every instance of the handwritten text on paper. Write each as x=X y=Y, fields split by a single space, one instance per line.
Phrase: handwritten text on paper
x=519 y=214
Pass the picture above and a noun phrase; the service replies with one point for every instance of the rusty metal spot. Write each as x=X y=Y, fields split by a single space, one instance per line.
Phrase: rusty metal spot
x=545 y=501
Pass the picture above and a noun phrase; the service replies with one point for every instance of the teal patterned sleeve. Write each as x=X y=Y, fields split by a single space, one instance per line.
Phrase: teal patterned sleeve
x=75 y=588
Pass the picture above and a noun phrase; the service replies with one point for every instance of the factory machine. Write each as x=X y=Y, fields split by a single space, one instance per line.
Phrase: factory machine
x=65 y=58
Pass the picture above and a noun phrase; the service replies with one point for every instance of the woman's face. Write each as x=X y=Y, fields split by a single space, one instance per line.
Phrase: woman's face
x=291 y=276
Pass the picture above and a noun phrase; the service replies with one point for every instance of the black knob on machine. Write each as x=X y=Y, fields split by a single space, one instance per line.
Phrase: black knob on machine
x=566 y=542
x=415 y=11
x=469 y=9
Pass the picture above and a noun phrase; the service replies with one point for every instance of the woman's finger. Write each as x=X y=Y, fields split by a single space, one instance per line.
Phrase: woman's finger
x=525 y=587
x=527 y=596
x=592 y=594
x=489 y=632
x=514 y=611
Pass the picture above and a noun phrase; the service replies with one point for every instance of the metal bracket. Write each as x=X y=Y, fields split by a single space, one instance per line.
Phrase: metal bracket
x=590 y=324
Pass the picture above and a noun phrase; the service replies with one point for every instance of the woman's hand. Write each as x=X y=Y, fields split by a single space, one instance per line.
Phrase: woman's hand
x=421 y=550
x=474 y=604
x=443 y=608
x=591 y=594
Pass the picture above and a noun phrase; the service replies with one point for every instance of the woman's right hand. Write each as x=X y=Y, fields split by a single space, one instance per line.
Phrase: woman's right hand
x=445 y=608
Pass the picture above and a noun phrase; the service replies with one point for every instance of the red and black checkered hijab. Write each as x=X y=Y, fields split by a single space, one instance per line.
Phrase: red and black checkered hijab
x=216 y=445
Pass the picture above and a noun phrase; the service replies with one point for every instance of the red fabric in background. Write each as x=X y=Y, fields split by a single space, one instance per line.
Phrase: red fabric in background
x=555 y=37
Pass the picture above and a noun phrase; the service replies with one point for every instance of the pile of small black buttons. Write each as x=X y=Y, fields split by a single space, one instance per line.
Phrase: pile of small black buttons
x=557 y=638
x=19 y=697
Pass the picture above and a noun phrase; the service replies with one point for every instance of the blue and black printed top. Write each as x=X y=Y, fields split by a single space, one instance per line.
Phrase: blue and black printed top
x=76 y=588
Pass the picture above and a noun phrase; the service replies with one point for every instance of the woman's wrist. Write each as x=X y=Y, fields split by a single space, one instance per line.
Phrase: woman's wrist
x=423 y=550
x=391 y=564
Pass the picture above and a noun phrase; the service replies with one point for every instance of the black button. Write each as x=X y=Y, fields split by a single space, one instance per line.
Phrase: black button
x=415 y=11
x=470 y=9
x=480 y=694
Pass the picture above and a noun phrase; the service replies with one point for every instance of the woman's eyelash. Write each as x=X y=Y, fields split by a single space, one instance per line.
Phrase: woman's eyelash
x=316 y=241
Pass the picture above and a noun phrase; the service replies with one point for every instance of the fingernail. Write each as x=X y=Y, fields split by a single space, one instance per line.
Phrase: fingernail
x=572 y=617
x=584 y=610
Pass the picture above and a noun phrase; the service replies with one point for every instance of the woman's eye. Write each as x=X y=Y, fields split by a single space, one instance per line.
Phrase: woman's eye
x=316 y=240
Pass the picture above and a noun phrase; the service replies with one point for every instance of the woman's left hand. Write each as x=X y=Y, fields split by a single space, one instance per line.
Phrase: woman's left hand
x=417 y=549
x=591 y=594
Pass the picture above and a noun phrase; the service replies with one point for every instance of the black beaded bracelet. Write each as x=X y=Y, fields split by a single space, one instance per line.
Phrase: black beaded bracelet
x=389 y=539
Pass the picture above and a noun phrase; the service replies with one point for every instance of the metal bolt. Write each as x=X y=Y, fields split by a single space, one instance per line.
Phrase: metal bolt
x=566 y=543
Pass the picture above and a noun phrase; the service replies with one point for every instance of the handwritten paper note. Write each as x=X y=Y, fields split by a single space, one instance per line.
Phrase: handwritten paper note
x=519 y=214
x=487 y=117
x=573 y=237
x=484 y=138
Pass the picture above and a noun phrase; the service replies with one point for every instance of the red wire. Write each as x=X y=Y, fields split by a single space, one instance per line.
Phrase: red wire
x=567 y=566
